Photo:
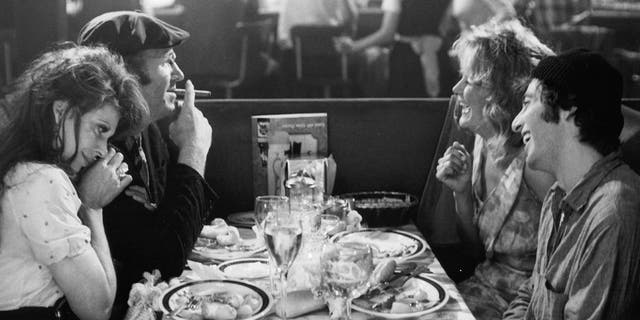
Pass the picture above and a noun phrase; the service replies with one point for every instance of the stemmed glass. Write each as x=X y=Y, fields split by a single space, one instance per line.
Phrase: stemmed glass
x=346 y=267
x=283 y=236
x=269 y=205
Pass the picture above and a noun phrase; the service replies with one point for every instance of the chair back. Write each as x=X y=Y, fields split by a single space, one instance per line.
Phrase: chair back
x=315 y=55
x=256 y=39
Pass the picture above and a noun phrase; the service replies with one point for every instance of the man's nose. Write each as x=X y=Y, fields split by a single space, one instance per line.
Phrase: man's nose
x=176 y=73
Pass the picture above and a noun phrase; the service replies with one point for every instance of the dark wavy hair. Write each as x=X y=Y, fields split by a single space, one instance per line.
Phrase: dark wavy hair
x=86 y=78
x=500 y=56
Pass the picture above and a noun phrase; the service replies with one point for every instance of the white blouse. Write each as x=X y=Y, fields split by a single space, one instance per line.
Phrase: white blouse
x=39 y=226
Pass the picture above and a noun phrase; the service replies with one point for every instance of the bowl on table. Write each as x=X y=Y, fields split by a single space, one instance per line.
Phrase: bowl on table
x=383 y=208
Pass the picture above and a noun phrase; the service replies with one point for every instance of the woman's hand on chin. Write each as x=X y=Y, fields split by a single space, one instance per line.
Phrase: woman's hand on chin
x=103 y=180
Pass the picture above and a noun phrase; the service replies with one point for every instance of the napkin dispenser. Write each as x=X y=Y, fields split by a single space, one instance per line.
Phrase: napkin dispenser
x=321 y=170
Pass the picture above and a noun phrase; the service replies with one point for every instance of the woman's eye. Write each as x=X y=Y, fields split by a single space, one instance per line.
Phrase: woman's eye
x=102 y=129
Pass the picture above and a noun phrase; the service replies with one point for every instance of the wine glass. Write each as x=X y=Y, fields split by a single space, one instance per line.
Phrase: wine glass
x=346 y=267
x=268 y=205
x=283 y=236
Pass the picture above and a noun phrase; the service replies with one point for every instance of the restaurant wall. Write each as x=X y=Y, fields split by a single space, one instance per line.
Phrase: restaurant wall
x=380 y=144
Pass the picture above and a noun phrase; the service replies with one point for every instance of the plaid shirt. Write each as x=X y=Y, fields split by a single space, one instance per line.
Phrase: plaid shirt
x=587 y=264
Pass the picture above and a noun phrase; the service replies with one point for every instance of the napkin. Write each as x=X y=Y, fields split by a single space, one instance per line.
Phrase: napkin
x=351 y=222
x=205 y=272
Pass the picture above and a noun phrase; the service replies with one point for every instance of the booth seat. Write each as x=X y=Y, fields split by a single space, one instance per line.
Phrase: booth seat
x=378 y=144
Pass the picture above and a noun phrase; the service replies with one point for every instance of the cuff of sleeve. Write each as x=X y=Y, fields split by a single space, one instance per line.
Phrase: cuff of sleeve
x=69 y=247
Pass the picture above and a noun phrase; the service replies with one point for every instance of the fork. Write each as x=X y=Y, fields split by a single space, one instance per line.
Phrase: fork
x=192 y=302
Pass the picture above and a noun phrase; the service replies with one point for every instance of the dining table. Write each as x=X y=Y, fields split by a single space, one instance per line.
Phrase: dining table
x=454 y=309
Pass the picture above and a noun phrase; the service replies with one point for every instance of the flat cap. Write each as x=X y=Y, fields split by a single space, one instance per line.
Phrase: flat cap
x=128 y=32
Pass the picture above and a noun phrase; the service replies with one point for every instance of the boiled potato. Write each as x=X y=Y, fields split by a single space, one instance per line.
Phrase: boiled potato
x=399 y=307
x=244 y=311
x=218 y=311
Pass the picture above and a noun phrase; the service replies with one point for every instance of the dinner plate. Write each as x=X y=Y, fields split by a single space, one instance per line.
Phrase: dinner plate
x=436 y=294
x=385 y=243
x=241 y=219
x=174 y=297
x=249 y=268
x=246 y=248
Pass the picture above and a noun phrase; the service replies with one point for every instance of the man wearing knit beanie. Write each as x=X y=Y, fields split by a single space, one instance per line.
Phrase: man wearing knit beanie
x=587 y=264
x=156 y=221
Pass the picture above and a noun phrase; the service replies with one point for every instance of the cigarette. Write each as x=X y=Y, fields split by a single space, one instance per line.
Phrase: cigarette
x=199 y=93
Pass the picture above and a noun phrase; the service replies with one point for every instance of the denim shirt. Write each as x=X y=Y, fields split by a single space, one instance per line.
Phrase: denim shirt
x=587 y=263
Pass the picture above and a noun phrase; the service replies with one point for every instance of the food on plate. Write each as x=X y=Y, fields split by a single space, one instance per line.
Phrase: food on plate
x=217 y=305
x=409 y=298
x=383 y=271
x=219 y=231
x=384 y=202
x=219 y=238
x=217 y=227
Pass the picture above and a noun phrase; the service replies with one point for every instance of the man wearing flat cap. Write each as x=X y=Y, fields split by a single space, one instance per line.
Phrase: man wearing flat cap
x=155 y=222
x=587 y=263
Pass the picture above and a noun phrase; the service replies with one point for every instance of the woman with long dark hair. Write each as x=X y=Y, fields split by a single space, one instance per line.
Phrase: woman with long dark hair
x=57 y=172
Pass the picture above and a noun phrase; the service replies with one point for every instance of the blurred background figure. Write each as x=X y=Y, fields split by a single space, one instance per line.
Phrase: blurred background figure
x=316 y=12
x=414 y=28
x=476 y=12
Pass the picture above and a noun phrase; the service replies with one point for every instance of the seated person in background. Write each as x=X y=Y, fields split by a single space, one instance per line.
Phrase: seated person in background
x=155 y=222
x=57 y=174
x=497 y=197
x=315 y=12
x=413 y=27
x=476 y=12
x=587 y=264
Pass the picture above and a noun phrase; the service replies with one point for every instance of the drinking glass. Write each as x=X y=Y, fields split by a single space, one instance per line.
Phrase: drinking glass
x=269 y=205
x=327 y=223
x=283 y=237
x=346 y=267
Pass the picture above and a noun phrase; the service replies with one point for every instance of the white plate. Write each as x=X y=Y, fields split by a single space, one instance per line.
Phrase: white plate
x=170 y=297
x=435 y=293
x=247 y=248
x=386 y=243
x=249 y=268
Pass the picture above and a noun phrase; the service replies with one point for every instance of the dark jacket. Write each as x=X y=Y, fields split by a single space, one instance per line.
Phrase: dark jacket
x=143 y=240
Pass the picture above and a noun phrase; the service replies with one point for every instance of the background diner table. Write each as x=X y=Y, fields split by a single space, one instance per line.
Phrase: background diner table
x=454 y=309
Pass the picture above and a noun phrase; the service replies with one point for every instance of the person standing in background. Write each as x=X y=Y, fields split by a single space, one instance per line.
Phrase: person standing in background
x=314 y=12
x=415 y=59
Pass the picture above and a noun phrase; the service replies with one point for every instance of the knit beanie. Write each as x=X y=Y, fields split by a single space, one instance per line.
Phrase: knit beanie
x=584 y=74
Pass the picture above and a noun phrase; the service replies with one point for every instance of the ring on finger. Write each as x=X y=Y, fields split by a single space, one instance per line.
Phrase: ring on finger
x=122 y=170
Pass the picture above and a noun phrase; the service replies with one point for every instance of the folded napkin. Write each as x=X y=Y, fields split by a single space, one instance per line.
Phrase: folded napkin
x=144 y=296
x=205 y=272
x=351 y=222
